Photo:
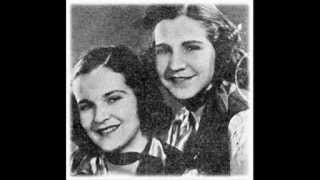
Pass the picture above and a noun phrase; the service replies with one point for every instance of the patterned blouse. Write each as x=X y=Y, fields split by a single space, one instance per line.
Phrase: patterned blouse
x=238 y=129
x=160 y=159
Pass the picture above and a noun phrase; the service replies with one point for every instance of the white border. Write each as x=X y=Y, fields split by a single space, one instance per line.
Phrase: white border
x=251 y=75
x=100 y=2
x=68 y=73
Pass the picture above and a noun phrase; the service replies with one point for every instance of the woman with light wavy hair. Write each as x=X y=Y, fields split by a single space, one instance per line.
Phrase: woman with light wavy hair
x=195 y=53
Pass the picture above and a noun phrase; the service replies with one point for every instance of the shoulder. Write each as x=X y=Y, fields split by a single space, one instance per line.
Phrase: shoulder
x=80 y=163
x=239 y=121
x=233 y=102
x=238 y=129
x=84 y=164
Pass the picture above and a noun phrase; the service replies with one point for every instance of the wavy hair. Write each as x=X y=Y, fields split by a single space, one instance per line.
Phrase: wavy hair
x=151 y=110
x=221 y=32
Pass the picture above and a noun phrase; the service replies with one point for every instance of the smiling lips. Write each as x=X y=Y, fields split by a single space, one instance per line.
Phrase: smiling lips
x=107 y=130
x=180 y=79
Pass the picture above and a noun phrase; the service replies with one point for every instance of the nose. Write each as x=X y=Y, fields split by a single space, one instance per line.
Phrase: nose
x=102 y=114
x=177 y=61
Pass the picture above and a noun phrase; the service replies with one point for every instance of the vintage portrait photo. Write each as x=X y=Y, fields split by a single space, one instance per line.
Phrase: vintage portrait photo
x=159 y=88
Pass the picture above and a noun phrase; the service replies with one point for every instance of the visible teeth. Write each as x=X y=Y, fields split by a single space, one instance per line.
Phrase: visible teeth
x=180 y=78
x=108 y=130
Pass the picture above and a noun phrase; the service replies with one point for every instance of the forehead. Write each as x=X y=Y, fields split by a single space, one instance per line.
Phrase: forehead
x=97 y=83
x=181 y=28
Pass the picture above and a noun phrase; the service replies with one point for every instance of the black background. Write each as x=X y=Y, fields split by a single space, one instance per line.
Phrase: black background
x=34 y=78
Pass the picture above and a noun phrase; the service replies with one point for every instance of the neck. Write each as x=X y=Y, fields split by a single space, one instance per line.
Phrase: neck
x=197 y=102
x=137 y=144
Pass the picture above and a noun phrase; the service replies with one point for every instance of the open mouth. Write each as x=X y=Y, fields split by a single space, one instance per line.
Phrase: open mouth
x=107 y=130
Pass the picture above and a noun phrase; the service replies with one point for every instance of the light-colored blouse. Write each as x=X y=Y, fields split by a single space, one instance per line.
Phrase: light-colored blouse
x=97 y=166
x=238 y=129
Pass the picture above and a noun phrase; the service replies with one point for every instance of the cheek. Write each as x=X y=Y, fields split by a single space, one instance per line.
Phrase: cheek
x=130 y=115
x=86 y=119
x=132 y=122
x=204 y=63
x=126 y=111
x=161 y=63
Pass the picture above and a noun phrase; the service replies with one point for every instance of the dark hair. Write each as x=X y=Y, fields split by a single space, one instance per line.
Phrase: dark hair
x=149 y=101
x=225 y=38
x=222 y=33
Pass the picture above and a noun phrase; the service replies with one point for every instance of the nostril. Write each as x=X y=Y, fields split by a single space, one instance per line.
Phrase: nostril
x=101 y=120
x=102 y=117
x=169 y=73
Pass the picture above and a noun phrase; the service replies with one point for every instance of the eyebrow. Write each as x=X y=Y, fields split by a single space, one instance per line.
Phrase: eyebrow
x=184 y=43
x=162 y=45
x=105 y=95
x=191 y=42
x=84 y=101
x=114 y=91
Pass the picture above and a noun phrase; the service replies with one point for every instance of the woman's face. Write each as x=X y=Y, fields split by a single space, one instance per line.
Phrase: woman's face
x=184 y=56
x=108 y=108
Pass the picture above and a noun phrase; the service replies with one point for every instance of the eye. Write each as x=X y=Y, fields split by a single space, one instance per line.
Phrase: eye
x=190 y=48
x=161 y=50
x=84 y=106
x=113 y=99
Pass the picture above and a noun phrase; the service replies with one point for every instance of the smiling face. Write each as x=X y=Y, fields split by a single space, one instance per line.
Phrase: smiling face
x=184 y=56
x=108 y=108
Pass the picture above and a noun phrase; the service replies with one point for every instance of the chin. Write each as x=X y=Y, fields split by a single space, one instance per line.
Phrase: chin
x=183 y=94
x=108 y=147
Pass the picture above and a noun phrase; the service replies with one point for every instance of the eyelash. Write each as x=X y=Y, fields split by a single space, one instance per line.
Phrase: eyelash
x=160 y=51
x=113 y=99
x=188 y=48
x=84 y=107
x=109 y=100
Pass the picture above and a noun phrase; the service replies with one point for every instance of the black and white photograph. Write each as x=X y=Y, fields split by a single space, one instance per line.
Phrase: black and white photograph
x=159 y=89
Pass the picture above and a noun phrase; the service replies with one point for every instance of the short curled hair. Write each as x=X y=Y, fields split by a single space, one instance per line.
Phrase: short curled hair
x=222 y=33
x=149 y=101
